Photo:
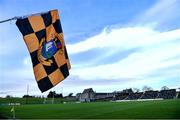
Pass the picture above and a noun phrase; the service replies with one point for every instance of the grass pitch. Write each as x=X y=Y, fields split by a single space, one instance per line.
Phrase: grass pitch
x=98 y=110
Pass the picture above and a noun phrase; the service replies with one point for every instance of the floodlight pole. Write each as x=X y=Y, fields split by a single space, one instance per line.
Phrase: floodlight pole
x=26 y=98
x=27 y=89
x=53 y=98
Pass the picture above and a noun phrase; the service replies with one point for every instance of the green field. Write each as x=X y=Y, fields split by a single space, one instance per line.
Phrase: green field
x=134 y=109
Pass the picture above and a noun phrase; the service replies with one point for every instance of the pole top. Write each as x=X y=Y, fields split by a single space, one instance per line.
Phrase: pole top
x=21 y=17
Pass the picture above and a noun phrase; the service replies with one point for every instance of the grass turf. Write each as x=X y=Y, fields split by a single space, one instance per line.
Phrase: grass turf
x=133 y=109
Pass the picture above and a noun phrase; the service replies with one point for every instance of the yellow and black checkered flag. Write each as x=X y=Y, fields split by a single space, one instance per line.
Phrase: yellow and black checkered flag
x=43 y=36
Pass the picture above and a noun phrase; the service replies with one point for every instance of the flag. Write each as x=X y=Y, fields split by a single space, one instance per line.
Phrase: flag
x=12 y=109
x=13 y=112
x=44 y=39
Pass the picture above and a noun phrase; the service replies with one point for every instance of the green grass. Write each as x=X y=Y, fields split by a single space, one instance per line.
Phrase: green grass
x=31 y=100
x=134 y=109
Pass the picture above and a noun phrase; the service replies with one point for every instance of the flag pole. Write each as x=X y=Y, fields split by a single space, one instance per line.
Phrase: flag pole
x=14 y=115
x=20 y=17
x=14 y=18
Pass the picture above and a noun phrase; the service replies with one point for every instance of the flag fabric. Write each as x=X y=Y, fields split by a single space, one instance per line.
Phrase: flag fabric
x=12 y=109
x=43 y=36
x=13 y=112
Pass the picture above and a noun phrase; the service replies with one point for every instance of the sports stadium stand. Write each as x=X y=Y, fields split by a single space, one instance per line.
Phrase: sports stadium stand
x=121 y=96
x=178 y=95
x=149 y=95
x=167 y=94
x=89 y=95
x=134 y=96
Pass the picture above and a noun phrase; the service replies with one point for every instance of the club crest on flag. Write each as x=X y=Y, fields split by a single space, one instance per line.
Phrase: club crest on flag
x=48 y=49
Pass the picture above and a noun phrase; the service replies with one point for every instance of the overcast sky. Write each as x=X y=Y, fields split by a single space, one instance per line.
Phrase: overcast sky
x=112 y=45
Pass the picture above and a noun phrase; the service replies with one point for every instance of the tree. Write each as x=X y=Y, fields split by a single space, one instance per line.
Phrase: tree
x=146 y=88
x=136 y=90
x=53 y=94
x=58 y=96
x=27 y=96
x=164 y=88
x=8 y=96
x=70 y=94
